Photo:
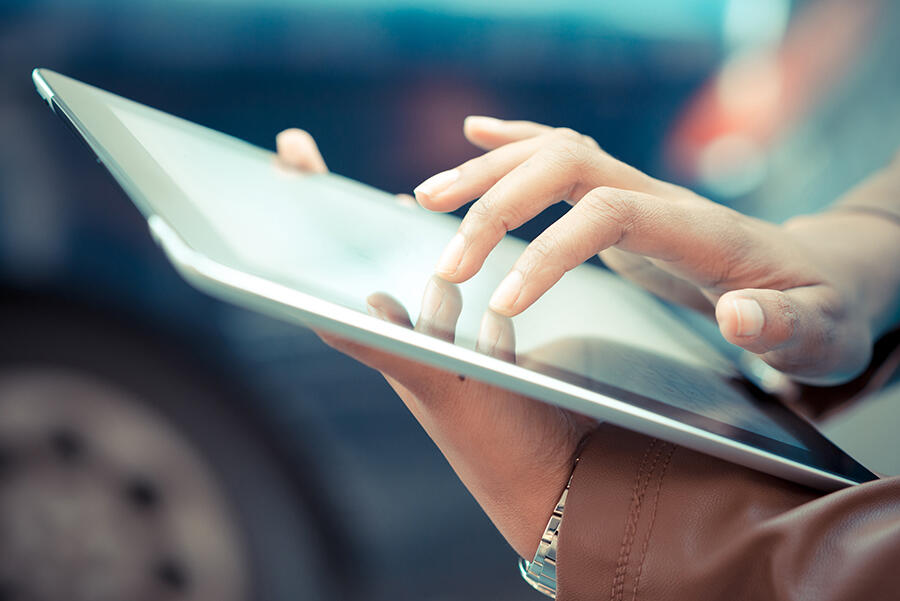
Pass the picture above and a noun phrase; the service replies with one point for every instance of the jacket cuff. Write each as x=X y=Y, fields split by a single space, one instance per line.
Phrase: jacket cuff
x=609 y=513
x=642 y=515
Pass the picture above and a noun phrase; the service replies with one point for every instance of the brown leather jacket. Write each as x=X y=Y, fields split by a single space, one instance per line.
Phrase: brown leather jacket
x=648 y=520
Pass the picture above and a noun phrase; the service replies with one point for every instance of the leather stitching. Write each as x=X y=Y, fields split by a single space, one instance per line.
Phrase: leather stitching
x=646 y=544
x=639 y=489
x=623 y=557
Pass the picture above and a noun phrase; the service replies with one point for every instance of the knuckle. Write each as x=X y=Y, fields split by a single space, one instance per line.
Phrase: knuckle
x=483 y=215
x=611 y=205
x=545 y=253
x=540 y=250
x=832 y=306
x=798 y=222
x=786 y=314
x=572 y=157
x=552 y=253
x=567 y=133
x=479 y=211
x=590 y=142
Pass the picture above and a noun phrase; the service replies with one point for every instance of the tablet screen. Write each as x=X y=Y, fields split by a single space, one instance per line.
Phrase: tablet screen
x=344 y=242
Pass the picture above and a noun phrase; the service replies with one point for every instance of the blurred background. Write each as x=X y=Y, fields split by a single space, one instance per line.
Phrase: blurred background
x=158 y=444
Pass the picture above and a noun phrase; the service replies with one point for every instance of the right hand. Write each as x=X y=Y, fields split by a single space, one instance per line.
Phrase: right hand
x=786 y=293
x=513 y=453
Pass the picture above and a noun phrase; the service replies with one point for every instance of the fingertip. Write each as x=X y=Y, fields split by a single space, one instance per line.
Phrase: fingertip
x=292 y=139
x=297 y=148
x=496 y=336
x=425 y=201
x=485 y=132
x=284 y=134
x=470 y=264
x=386 y=307
x=438 y=205
x=478 y=123
x=504 y=311
x=511 y=310
x=428 y=192
x=507 y=294
x=448 y=264
x=455 y=277
x=756 y=320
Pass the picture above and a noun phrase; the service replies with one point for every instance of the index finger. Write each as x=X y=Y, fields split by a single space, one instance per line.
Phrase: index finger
x=697 y=242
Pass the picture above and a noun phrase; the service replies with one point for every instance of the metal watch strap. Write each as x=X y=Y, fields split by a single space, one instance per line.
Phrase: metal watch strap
x=540 y=572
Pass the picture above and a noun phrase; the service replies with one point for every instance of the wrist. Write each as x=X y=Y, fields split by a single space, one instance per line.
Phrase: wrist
x=540 y=572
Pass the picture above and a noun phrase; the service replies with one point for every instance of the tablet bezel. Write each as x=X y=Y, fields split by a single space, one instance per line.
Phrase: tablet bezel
x=93 y=119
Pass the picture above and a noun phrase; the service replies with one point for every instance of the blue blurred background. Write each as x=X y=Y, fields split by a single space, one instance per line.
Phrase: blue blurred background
x=157 y=444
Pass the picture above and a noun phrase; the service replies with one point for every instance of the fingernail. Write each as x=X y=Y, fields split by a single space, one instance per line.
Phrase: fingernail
x=481 y=121
x=436 y=184
x=750 y=318
x=452 y=256
x=507 y=292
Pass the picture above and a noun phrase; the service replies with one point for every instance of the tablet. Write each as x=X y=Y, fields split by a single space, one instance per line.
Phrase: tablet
x=312 y=249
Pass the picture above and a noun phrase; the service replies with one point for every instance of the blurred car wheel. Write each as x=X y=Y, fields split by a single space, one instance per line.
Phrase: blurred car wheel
x=125 y=475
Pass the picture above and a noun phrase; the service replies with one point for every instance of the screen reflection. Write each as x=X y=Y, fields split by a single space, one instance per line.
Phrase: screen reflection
x=439 y=316
x=700 y=397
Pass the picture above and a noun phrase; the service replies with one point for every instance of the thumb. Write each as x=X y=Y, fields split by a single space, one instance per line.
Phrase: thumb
x=757 y=320
x=765 y=320
x=796 y=331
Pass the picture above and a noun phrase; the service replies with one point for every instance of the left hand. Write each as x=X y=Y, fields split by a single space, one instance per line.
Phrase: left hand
x=513 y=453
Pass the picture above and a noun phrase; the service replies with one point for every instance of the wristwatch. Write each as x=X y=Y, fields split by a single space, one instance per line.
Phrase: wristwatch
x=540 y=572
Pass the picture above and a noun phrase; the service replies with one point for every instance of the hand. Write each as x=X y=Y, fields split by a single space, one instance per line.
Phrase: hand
x=513 y=453
x=776 y=291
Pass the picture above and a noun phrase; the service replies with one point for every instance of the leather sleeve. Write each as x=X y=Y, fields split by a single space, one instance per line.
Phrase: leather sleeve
x=648 y=520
